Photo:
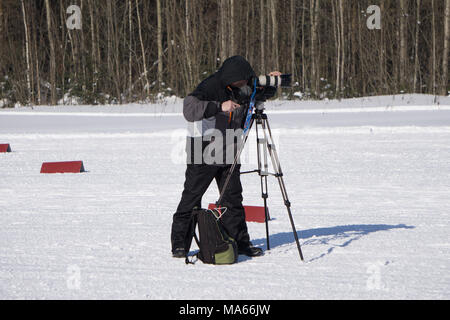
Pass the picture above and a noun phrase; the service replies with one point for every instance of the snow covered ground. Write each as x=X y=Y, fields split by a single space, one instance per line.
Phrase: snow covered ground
x=369 y=182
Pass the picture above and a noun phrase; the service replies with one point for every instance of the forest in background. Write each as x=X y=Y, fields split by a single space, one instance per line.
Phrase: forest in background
x=124 y=51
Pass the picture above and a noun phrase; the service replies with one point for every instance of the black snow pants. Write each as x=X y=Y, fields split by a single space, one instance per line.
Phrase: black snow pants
x=198 y=179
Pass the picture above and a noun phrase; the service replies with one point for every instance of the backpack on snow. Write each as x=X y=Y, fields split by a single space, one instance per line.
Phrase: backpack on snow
x=216 y=246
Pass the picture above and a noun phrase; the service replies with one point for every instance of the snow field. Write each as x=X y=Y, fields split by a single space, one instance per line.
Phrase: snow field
x=370 y=204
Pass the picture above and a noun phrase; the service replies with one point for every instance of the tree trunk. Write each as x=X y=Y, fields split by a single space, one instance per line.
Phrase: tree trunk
x=27 y=54
x=187 y=45
x=293 y=37
x=116 y=43
x=130 y=48
x=433 y=50
x=262 y=35
x=303 y=50
x=223 y=31
x=52 y=55
x=342 y=42
x=109 y=42
x=275 y=35
x=445 y=85
x=160 y=45
x=147 y=84
x=36 y=64
x=93 y=49
x=361 y=55
x=232 y=30
x=337 y=39
x=314 y=16
x=1 y=20
x=383 y=55
x=416 y=48
x=403 y=44
x=170 y=45
x=83 y=56
x=2 y=29
x=247 y=29
x=354 y=27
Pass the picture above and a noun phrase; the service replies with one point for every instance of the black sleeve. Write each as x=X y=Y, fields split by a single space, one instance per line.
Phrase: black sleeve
x=211 y=110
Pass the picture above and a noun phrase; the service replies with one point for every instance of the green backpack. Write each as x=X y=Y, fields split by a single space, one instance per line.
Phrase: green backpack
x=216 y=246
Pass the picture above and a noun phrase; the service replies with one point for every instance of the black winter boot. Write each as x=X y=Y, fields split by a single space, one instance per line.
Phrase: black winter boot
x=250 y=251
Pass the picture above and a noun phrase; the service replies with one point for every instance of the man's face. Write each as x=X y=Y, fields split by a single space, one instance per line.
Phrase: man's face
x=239 y=84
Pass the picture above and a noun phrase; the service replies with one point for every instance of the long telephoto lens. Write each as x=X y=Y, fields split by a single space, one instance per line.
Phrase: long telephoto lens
x=283 y=81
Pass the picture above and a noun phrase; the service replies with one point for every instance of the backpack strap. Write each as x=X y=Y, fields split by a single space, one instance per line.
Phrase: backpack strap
x=192 y=235
x=192 y=261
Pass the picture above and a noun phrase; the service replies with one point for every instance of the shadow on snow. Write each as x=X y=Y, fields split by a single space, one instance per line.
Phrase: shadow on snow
x=326 y=236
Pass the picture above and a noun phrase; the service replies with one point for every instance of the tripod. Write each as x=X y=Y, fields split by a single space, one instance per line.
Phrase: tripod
x=265 y=144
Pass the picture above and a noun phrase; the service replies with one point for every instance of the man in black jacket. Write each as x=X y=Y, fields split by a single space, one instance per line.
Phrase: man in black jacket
x=212 y=114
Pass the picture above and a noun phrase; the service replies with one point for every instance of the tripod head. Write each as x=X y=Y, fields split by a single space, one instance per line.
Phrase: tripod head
x=243 y=96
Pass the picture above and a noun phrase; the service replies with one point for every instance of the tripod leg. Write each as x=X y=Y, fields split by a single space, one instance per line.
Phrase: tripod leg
x=279 y=175
x=266 y=210
x=236 y=159
x=261 y=145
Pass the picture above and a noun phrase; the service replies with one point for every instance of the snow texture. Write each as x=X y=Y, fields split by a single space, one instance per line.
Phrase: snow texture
x=368 y=179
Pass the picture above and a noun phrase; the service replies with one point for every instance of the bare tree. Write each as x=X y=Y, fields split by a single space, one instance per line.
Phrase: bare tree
x=433 y=49
x=303 y=50
x=1 y=20
x=188 y=45
x=262 y=34
x=314 y=18
x=223 y=18
x=275 y=35
x=36 y=62
x=383 y=54
x=342 y=42
x=147 y=84
x=130 y=49
x=338 y=21
x=445 y=86
x=27 y=53
x=403 y=43
x=52 y=54
x=293 y=36
x=160 y=44
x=170 y=43
x=94 y=45
x=232 y=29
x=361 y=55
x=416 y=47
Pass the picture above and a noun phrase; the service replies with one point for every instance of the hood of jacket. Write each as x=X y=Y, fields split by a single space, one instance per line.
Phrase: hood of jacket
x=234 y=69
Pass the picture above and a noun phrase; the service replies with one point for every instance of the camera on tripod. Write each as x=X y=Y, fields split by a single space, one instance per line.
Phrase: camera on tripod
x=264 y=87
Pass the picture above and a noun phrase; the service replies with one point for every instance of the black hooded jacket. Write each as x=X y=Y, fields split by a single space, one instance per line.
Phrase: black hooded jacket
x=202 y=109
